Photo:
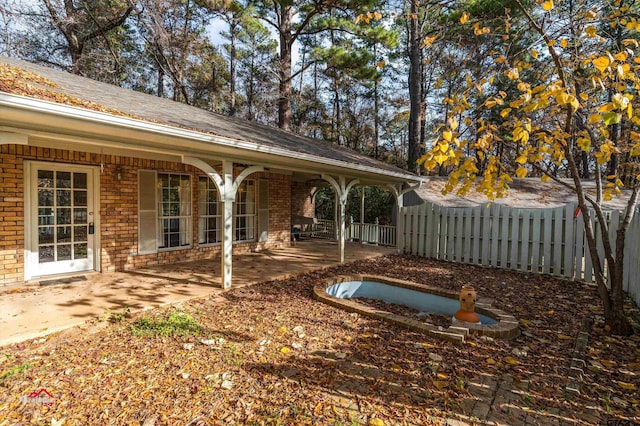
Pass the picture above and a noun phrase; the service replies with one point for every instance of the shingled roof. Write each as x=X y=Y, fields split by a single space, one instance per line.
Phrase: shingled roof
x=528 y=193
x=116 y=100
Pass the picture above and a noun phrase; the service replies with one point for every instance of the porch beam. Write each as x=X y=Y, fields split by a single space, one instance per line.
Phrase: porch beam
x=11 y=138
x=341 y=188
x=244 y=174
x=208 y=169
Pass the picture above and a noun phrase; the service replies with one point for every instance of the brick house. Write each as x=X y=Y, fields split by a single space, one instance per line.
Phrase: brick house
x=94 y=177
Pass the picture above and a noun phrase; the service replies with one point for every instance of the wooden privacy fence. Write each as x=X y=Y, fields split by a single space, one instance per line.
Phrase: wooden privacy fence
x=549 y=241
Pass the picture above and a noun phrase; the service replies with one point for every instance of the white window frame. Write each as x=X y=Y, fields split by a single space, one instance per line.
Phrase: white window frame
x=248 y=212
x=204 y=218
x=185 y=215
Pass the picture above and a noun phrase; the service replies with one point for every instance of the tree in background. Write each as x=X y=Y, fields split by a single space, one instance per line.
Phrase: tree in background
x=83 y=37
x=258 y=66
x=11 y=43
x=573 y=90
x=294 y=20
x=173 y=34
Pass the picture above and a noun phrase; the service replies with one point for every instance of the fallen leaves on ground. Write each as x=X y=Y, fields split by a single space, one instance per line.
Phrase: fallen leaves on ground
x=271 y=354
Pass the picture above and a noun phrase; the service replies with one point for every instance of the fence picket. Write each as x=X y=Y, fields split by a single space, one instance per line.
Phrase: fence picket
x=504 y=237
x=528 y=240
x=442 y=249
x=633 y=283
x=414 y=235
x=495 y=227
x=515 y=238
x=558 y=241
x=468 y=235
x=536 y=231
x=524 y=250
x=459 y=235
x=435 y=247
x=429 y=235
x=477 y=211
x=486 y=234
x=421 y=229
x=547 y=238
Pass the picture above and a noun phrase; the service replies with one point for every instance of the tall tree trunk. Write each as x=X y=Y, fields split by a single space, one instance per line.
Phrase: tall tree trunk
x=336 y=111
x=160 y=82
x=250 y=90
x=286 y=42
x=232 y=68
x=415 y=86
x=376 y=109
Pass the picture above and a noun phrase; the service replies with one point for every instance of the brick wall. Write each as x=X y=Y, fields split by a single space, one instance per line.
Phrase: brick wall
x=119 y=210
x=301 y=203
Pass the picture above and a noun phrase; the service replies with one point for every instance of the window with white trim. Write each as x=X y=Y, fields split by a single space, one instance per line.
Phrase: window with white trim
x=245 y=212
x=209 y=212
x=174 y=210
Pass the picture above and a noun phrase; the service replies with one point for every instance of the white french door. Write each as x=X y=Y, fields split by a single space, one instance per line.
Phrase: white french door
x=62 y=225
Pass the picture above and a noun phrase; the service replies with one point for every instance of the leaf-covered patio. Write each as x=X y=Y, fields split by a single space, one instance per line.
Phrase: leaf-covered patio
x=32 y=310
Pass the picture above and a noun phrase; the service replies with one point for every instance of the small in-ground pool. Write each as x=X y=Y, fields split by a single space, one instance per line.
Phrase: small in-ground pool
x=422 y=301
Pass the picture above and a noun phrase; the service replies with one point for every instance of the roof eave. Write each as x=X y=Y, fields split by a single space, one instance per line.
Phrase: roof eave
x=38 y=115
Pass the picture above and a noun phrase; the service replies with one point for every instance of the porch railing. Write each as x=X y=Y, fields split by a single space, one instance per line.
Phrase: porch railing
x=372 y=233
x=323 y=228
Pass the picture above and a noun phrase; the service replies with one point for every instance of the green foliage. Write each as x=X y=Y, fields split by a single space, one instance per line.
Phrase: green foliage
x=118 y=316
x=173 y=323
x=14 y=370
x=378 y=204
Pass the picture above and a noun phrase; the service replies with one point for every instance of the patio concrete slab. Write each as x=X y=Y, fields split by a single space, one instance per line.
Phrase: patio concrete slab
x=53 y=304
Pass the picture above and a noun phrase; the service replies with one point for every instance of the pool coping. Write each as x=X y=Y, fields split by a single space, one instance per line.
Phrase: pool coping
x=507 y=326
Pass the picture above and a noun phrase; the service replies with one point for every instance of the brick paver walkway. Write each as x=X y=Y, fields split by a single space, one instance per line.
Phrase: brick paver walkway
x=501 y=400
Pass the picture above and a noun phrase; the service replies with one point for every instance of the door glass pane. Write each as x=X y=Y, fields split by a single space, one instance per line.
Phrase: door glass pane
x=45 y=179
x=79 y=216
x=79 y=198
x=64 y=216
x=45 y=216
x=45 y=235
x=45 y=197
x=46 y=254
x=80 y=180
x=62 y=212
x=64 y=252
x=64 y=234
x=63 y=198
x=80 y=251
x=79 y=233
x=63 y=179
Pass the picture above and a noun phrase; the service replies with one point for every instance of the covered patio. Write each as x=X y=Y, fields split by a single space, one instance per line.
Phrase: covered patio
x=49 y=305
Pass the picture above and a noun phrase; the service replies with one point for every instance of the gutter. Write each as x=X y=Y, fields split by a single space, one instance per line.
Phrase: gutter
x=21 y=105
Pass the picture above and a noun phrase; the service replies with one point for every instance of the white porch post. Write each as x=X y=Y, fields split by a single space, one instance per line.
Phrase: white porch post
x=399 y=223
x=362 y=203
x=227 y=188
x=341 y=188
x=228 y=197
x=336 y=212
